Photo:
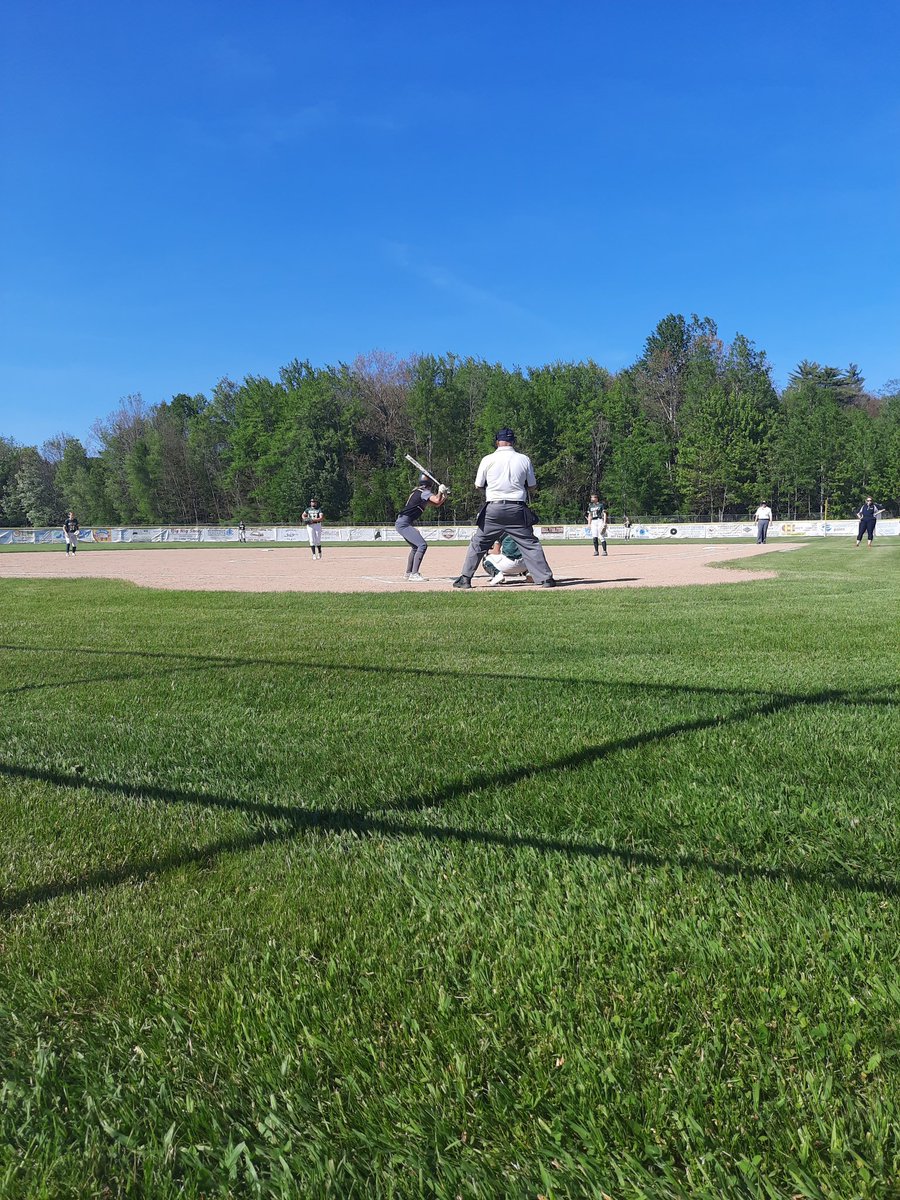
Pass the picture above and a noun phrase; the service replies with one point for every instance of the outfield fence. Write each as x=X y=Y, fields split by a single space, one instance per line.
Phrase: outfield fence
x=438 y=533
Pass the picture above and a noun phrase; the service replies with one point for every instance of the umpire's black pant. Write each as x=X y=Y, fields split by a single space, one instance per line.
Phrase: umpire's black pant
x=506 y=518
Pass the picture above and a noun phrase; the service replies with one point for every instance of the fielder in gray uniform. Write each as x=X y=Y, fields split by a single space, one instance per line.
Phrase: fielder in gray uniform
x=506 y=477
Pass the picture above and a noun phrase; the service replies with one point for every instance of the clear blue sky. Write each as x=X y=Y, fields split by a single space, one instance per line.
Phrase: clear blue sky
x=192 y=190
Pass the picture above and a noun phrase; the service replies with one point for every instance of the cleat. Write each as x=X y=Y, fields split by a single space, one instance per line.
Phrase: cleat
x=416 y=578
x=551 y=582
x=463 y=582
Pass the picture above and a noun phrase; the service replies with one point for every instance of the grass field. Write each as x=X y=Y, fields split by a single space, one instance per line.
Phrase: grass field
x=418 y=895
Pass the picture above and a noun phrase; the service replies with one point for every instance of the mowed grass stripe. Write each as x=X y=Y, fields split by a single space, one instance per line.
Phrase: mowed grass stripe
x=402 y=896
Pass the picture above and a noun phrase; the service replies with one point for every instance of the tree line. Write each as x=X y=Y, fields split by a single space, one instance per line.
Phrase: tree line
x=695 y=428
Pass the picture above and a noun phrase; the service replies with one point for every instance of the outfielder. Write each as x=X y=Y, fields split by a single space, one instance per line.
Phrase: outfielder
x=406 y=524
x=868 y=515
x=598 y=520
x=313 y=515
x=70 y=529
x=506 y=477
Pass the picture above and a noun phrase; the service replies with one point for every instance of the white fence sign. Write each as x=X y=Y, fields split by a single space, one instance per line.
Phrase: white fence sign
x=887 y=527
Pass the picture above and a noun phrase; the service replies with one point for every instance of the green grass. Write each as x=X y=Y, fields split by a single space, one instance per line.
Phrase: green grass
x=418 y=895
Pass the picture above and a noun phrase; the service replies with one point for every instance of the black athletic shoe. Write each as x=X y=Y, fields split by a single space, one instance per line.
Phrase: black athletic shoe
x=463 y=581
x=549 y=583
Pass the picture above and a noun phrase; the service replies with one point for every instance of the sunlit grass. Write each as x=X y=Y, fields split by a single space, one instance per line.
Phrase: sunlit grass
x=418 y=895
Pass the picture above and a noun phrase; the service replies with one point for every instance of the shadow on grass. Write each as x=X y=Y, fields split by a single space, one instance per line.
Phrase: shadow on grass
x=319 y=666
x=285 y=822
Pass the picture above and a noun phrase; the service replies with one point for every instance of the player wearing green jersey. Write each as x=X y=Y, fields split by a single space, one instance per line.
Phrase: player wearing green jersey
x=598 y=520
x=505 y=561
x=312 y=516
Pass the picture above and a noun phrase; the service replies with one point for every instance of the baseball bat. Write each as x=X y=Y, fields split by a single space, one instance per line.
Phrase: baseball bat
x=409 y=458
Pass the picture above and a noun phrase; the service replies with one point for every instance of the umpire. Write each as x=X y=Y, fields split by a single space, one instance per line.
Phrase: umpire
x=506 y=477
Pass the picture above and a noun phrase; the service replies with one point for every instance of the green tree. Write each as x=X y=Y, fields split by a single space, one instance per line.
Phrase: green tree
x=10 y=459
x=34 y=492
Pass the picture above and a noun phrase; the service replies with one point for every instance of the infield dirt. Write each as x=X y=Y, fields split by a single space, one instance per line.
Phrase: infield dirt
x=249 y=568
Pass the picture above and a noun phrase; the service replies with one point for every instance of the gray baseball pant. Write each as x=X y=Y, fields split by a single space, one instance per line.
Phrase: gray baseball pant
x=502 y=518
x=410 y=534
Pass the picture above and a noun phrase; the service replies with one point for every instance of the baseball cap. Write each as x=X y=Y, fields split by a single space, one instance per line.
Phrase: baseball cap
x=505 y=435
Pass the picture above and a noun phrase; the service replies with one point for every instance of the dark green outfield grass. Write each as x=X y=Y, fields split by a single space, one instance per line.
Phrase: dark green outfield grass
x=416 y=895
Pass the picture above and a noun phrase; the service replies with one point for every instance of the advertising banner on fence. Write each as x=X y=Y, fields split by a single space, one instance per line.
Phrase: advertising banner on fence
x=887 y=527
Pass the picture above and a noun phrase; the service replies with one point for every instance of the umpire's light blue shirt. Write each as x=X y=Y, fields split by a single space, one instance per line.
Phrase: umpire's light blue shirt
x=506 y=474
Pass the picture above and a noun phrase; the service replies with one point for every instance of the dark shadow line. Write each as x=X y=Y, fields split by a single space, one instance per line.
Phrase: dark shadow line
x=336 y=821
x=592 y=754
x=371 y=669
x=340 y=821
x=434 y=799
x=581 y=582
x=137 y=873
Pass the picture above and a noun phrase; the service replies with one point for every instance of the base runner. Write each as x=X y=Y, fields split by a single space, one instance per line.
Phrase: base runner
x=405 y=524
x=313 y=515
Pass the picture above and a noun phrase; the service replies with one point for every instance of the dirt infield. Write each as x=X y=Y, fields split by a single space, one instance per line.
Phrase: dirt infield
x=380 y=569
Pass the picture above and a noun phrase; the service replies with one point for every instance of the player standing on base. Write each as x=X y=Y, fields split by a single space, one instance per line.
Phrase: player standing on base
x=598 y=520
x=406 y=525
x=313 y=515
x=70 y=529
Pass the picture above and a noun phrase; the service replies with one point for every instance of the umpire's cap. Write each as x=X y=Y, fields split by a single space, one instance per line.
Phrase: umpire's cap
x=505 y=435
